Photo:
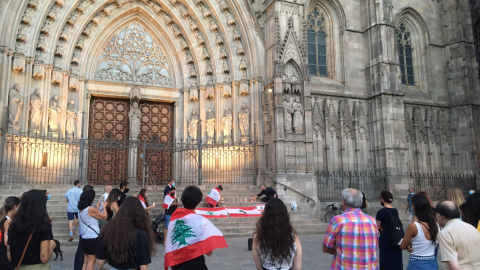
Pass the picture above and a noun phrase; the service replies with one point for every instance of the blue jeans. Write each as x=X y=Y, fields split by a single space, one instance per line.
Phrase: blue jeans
x=167 y=220
x=422 y=263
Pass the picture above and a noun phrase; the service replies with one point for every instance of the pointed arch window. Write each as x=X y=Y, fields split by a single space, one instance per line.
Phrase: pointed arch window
x=317 y=45
x=133 y=56
x=476 y=36
x=405 y=54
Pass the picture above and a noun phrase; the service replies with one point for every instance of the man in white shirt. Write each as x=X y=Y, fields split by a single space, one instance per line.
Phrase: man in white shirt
x=104 y=197
x=459 y=242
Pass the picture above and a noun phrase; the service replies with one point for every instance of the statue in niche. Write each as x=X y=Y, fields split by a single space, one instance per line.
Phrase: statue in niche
x=135 y=115
x=193 y=125
x=15 y=103
x=53 y=115
x=227 y=123
x=36 y=105
x=244 y=121
x=210 y=124
x=71 y=119
x=287 y=114
x=298 y=116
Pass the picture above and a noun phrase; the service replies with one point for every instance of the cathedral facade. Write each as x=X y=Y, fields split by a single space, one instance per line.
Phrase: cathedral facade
x=320 y=94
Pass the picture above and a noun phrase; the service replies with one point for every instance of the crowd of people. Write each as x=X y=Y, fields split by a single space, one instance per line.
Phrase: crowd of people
x=448 y=232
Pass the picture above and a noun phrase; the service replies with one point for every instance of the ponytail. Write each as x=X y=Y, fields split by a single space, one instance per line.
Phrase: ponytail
x=8 y=205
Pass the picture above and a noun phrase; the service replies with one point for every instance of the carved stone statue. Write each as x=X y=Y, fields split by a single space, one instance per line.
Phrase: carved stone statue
x=53 y=115
x=244 y=121
x=210 y=124
x=135 y=115
x=298 y=116
x=287 y=114
x=193 y=125
x=71 y=119
x=227 y=123
x=15 y=103
x=36 y=105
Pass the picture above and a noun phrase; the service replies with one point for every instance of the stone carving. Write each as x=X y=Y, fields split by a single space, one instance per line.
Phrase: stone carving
x=318 y=119
x=230 y=19
x=210 y=124
x=15 y=103
x=244 y=87
x=38 y=69
x=236 y=34
x=53 y=115
x=244 y=121
x=223 y=53
x=287 y=114
x=135 y=116
x=227 y=88
x=210 y=88
x=194 y=92
x=208 y=68
x=19 y=61
x=226 y=69
x=36 y=110
x=213 y=25
x=71 y=119
x=243 y=64
x=240 y=49
x=205 y=54
x=298 y=116
x=57 y=76
x=218 y=38
x=193 y=125
x=227 y=123
x=189 y=57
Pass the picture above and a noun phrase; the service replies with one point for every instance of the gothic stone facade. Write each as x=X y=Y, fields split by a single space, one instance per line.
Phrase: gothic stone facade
x=320 y=85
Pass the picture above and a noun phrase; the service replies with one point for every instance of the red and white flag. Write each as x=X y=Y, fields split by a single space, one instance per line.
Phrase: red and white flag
x=167 y=201
x=190 y=236
x=212 y=212
x=243 y=211
x=213 y=197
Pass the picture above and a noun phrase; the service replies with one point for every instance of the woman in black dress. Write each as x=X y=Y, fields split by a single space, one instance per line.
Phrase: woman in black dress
x=390 y=257
x=7 y=213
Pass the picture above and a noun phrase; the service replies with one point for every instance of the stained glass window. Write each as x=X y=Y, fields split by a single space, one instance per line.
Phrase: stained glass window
x=317 y=46
x=132 y=56
x=405 y=54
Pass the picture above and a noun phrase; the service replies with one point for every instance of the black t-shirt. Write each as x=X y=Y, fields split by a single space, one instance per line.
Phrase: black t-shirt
x=123 y=196
x=5 y=264
x=171 y=210
x=269 y=192
x=384 y=218
x=142 y=253
x=17 y=244
x=364 y=202
x=197 y=264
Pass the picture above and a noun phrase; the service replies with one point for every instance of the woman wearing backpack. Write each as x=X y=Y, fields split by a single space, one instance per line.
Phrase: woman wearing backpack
x=421 y=236
x=390 y=255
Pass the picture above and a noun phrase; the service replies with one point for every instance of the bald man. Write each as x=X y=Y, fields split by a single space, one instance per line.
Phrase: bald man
x=458 y=241
x=104 y=197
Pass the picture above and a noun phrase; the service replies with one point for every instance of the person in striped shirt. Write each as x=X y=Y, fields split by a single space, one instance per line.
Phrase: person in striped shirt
x=352 y=237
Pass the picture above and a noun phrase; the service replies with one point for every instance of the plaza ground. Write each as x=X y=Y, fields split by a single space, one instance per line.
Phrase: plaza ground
x=236 y=257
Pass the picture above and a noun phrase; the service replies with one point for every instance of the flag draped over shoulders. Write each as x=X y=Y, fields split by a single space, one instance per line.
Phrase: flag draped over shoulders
x=190 y=236
x=167 y=201
x=213 y=197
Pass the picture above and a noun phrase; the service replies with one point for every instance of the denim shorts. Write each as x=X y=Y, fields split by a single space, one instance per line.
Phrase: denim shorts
x=167 y=220
x=72 y=216
x=422 y=263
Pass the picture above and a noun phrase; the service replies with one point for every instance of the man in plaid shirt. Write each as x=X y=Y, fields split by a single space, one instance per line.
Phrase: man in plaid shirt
x=352 y=237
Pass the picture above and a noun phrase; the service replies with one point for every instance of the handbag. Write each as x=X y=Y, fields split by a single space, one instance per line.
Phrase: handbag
x=24 y=250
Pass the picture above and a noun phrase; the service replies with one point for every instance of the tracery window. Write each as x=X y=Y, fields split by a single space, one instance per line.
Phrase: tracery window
x=476 y=36
x=133 y=56
x=317 y=45
x=405 y=54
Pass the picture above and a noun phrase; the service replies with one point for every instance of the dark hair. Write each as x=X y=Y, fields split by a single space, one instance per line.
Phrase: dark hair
x=220 y=187
x=424 y=213
x=172 y=188
x=113 y=196
x=386 y=196
x=130 y=218
x=32 y=214
x=123 y=184
x=275 y=222
x=448 y=211
x=423 y=193
x=8 y=205
x=191 y=197
x=87 y=187
x=86 y=199
x=142 y=192
x=471 y=209
x=76 y=182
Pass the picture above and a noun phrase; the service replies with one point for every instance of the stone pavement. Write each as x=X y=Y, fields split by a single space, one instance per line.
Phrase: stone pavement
x=236 y=257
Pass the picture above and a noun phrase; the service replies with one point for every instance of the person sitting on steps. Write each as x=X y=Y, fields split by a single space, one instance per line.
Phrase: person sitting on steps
x=268 y=192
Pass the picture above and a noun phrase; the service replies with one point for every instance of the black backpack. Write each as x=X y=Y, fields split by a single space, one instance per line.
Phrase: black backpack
x=395 y=231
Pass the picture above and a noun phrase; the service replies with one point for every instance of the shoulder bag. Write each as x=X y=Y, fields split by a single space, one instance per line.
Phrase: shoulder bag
x=24 y=250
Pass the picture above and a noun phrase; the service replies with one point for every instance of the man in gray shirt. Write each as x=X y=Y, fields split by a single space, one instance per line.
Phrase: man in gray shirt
x=72 y=197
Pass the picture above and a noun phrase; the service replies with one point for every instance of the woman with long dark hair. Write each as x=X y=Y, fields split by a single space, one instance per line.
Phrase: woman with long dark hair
x=31 y=222
x=7 y=213
x=471 y=210
x=275 y=243
x=142 y=196
x=390 y=257
x=127 y=241
x=88 y=217
x=112 y=203
x=421 y=236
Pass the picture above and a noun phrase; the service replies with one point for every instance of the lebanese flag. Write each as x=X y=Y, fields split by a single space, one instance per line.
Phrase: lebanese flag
x=167 y=201
x=190 y=236
x=213 y=197
x=243 y=211
x=212 y=212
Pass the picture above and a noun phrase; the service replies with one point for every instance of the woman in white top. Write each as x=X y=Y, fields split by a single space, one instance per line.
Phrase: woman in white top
x=421 y=236
x=275 y=244
x=88 y=217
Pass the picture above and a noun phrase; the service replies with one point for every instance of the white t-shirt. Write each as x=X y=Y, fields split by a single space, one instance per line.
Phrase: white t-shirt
x=103 y=199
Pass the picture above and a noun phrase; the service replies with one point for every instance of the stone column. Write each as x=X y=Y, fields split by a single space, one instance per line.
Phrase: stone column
x=5 y=70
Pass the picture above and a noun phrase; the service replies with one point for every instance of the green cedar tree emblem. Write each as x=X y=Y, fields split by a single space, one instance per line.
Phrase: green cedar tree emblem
x=210 y=213
x=243 y=212
x=181 y=232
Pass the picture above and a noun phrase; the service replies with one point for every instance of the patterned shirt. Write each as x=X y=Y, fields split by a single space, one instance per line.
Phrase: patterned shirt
x=355 y=237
